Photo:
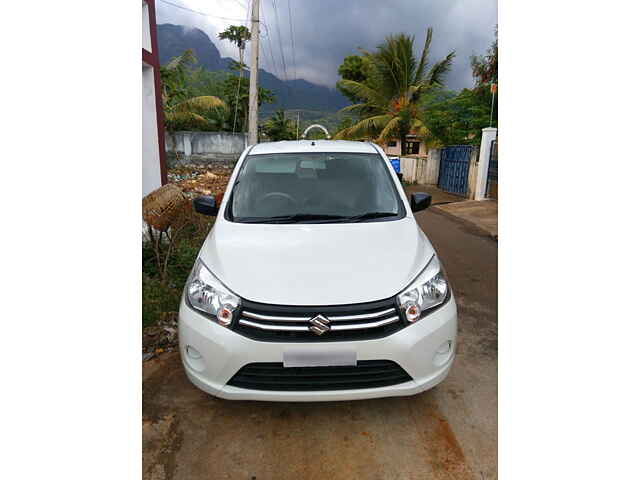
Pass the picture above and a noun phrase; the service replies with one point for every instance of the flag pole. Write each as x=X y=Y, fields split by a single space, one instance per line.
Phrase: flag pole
x=493 y=95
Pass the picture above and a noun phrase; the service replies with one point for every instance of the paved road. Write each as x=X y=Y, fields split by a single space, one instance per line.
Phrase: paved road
x=449 y=432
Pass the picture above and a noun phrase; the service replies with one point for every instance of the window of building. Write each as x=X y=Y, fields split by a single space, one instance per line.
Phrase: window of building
x=413 y=148
x=392 y=143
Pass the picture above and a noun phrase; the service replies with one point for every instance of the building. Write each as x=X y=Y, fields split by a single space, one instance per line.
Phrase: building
x=415 y=147
x=154 y=170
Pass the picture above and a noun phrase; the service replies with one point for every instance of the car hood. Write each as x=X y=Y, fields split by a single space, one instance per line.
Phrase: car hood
x=316 y=264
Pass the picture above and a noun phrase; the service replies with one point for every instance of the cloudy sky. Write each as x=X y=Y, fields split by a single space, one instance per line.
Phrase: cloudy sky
x=325 y=31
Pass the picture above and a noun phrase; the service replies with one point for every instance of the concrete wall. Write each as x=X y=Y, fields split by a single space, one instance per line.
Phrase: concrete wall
x=205 y=147
x=151 y=176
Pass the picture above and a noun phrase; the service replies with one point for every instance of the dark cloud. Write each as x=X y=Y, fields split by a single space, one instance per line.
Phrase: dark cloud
x=327 y=31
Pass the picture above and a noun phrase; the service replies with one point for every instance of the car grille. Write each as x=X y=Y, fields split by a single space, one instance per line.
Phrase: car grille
x=281 y=323
x=274 y=376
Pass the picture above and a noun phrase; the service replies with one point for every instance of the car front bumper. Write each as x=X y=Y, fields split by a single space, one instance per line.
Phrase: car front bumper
x=223 y=352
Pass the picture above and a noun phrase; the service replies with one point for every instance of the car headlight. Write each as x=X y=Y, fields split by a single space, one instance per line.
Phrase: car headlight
x=425 y=293
x=207 y=294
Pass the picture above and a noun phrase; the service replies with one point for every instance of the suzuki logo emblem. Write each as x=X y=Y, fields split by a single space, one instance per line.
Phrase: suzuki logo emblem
x=320 y=324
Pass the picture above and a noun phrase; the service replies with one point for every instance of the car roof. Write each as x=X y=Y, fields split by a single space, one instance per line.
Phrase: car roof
x=300 y=146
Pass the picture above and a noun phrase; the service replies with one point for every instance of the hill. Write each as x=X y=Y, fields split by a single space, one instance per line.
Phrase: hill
x=291 y=94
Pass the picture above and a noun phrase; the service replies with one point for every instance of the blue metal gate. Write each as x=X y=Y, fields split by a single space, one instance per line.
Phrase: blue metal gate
x=492 y=173
x=454 y=169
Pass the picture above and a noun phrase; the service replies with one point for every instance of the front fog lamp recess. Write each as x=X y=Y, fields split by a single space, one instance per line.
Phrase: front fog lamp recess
x=193 y=353
x=444 y=348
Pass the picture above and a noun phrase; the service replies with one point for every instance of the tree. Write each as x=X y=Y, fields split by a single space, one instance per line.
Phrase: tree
x=456 y=118
x=238 y=35
x=173 y=77
x=396 y=82
x=356 y=68
x=236 y=95
x=485 y=69
x=345 y=123
x=278 y=127
x=182 y=112
x=203 y=82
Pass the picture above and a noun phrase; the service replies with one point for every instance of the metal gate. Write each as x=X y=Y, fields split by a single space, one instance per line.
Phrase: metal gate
x=492 y=173
x=454 y=169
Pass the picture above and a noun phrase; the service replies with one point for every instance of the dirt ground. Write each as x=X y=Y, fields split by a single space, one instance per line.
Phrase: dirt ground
x=449 y=432
x=480 y=214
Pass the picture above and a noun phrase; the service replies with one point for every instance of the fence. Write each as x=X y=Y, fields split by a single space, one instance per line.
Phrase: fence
x=422 y=170
x=204 y=147
x=426 y=170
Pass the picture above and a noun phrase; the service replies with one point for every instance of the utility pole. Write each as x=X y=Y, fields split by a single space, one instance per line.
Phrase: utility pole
x=253 y=76
x=298 y=126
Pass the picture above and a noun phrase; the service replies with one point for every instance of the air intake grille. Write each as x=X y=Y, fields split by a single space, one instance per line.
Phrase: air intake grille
x=282 y=323
x=273 y=376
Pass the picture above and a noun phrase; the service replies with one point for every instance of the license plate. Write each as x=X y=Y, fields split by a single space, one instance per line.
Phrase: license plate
x=304 y=358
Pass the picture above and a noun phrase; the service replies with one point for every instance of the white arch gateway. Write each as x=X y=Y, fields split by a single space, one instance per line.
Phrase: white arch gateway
x=316 y=125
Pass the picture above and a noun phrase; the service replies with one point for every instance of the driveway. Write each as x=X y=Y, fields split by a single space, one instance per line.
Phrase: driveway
x=449 y=432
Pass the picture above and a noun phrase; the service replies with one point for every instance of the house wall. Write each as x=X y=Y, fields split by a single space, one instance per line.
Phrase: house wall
x=205 y=147
x=151 y=174
x=396 y=151
x=154 y=172
x=146 y=30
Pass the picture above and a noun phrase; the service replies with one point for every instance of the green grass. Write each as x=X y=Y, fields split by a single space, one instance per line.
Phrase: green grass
x=161 y=300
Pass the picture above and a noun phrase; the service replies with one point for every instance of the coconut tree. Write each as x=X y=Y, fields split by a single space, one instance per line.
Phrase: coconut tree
x=238 y=35
x=205 y=112
x=396 y=81
x=278 y=127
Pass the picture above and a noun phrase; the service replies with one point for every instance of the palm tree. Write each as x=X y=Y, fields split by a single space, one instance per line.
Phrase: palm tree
x=278 y=127
x=182 y=112
x=238 y=35
x=392 y=90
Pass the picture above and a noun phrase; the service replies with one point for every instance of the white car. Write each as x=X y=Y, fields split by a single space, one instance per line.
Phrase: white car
x=316 y=283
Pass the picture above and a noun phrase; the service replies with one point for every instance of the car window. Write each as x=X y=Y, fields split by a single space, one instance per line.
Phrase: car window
x=314 y=187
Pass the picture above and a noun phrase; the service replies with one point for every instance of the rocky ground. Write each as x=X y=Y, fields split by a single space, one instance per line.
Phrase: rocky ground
x=201 y=180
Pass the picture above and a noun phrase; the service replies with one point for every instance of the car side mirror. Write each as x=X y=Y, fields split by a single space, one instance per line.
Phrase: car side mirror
x=205 y=206
x=420 y=201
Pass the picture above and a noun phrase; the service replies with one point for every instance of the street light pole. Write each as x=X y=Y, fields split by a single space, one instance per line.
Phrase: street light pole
x=253 y=76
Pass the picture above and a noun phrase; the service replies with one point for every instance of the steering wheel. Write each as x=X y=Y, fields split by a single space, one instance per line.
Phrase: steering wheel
x=276 y=195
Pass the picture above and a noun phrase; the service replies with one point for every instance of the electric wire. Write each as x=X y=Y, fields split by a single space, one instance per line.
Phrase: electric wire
x=284 y=65
x=235 y=114
x=203 y=13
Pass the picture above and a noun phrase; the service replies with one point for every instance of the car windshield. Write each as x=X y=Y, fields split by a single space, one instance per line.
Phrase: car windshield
x=314 y=188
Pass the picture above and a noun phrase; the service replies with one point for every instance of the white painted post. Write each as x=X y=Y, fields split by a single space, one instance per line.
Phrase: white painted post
x=488 y=135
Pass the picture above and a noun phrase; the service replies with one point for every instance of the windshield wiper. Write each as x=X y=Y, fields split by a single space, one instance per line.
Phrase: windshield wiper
x=370 y=215
x=297 y=218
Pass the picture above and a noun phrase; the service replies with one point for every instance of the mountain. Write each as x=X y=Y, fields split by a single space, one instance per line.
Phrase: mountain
x=291 y=94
